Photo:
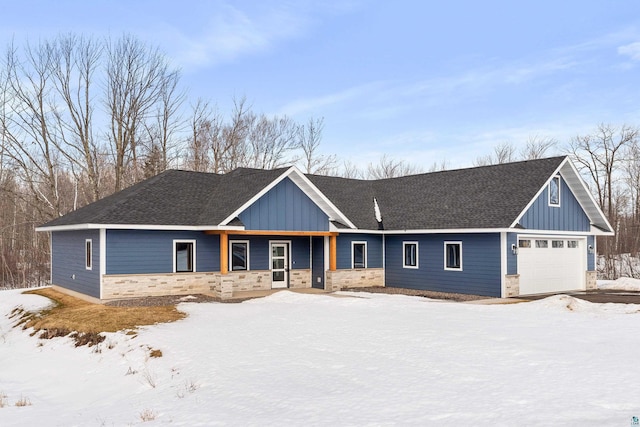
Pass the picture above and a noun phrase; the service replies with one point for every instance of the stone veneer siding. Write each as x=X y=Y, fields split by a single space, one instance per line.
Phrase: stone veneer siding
x=116 y=286
x=511 y=285
x=591 y=282
x=356 y=278
x=299 y=278
x=252 y=280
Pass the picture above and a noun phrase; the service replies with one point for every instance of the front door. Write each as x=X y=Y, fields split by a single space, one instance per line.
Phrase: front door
x=279 y=265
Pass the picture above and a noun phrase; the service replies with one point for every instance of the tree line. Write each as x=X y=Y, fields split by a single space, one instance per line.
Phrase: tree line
x=81 y=118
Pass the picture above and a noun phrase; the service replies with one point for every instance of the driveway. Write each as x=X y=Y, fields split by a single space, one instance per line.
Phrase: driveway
x=599 y=296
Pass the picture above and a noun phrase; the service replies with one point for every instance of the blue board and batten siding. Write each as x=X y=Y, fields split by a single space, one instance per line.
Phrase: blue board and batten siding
x=68 y=262
x=151 y=251
x=285 y=207
x=480 y=274
x=569 y=216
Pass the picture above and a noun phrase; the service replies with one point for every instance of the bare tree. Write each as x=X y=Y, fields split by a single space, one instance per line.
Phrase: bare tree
x=310 y=137
x=137 y=77
x=162 y=130
x=502 y=153
x=632 y=169
x=350 y=170
x=537 y=147
x=269 y=140
x=599 y=155
x=74 y=61
x=199 y=141
x=390 y=168
x=438 y=167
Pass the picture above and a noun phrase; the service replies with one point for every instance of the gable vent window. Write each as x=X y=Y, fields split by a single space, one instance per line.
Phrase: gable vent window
x=410 y=250
x=554 y=191
x=184 y=256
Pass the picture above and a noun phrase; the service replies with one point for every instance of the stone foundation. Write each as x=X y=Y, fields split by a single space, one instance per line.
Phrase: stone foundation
x=116 y=286
x=299 y=279
x=356 y=278
x=591 y=280
x=511 y=285
x=119 y=286
x=255 y=280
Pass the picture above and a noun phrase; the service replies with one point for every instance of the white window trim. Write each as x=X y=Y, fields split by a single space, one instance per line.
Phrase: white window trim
x=445 y=255
x=231 y=242
x=555 y=205
x=89 y=258
x=173 y=260
x=366 y=250
x=404 y=255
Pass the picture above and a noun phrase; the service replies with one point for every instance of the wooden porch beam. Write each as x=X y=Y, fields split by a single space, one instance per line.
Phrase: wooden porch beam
x=332 y=252
x=272 y=233
x=224 y=253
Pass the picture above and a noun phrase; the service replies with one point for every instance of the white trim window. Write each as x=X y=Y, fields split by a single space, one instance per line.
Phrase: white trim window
x=239 y=255
x=184 y=256
x=410 y=254
x=358 y=255
x=453 y=256
x=88 y=254
x=554 y=191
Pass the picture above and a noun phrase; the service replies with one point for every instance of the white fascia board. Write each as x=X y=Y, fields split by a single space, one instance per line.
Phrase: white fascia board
x=587 y=201
x=535 y=197
x=254 y=198
x=528 y=232
x=139 y=227
x=318 y=197
x=599 y=232
x=428 y=231
x=470 y=231
x=307 y=187
x=103 y=258
x=571 y=177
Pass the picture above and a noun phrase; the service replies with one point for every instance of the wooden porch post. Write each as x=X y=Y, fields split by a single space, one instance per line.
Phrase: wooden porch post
x=224 y=253
x=332 y=252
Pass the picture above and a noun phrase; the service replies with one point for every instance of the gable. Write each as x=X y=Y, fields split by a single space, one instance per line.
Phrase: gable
x=569 y=216
x=284 y=207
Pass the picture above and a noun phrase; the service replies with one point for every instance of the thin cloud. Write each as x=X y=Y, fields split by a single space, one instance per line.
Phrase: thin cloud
x=306 y=105
x=232 y=33
x=632 y=50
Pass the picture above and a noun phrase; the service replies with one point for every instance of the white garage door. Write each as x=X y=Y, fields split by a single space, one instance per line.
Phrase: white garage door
x=551 y=264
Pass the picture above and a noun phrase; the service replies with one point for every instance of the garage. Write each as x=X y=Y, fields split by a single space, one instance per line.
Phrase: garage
x=551 y=264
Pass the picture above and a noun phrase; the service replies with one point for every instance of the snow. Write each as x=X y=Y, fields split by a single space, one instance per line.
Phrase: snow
x=360 y=359
x=621 y=284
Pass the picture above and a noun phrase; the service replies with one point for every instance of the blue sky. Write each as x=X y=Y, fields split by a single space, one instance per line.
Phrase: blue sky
x=420 y=81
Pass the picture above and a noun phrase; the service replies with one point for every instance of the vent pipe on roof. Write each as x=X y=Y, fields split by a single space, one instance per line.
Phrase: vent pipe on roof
x=376 y=210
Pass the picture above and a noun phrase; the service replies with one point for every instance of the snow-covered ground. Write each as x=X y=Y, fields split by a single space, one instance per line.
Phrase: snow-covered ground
x=621 y=284
x=364 y=359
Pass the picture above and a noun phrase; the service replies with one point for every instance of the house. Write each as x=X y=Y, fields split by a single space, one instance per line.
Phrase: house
x=503 y=230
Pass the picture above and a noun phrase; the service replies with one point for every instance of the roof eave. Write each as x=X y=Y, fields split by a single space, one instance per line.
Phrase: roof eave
x=90 y=226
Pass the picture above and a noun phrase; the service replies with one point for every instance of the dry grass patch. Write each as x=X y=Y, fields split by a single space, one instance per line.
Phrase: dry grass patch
x=86 y=320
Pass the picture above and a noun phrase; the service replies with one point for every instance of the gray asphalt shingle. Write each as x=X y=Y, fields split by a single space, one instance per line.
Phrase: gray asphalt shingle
x=481 y=197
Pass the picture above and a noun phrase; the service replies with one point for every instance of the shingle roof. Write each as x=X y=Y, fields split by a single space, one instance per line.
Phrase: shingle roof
x=175 y=197
x=481 y=197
